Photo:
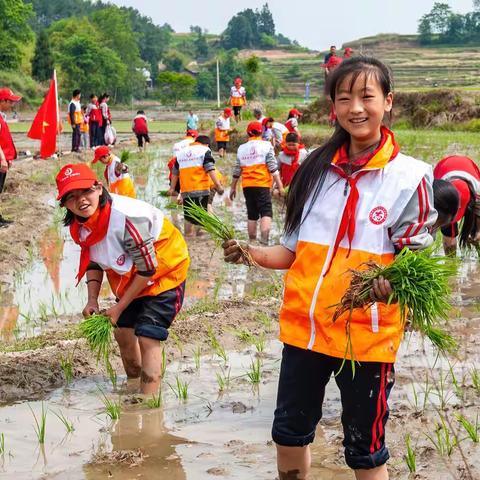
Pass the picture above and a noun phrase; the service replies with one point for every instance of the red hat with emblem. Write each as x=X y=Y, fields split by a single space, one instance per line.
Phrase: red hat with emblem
x=77 y=176
x=7 y=94
x=228 y=112
x=254 y=127
x=192 y=133
x=100 y=152
x=294 y=111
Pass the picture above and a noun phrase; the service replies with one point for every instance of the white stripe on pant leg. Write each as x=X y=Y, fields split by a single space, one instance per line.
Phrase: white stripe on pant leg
x=374 y=316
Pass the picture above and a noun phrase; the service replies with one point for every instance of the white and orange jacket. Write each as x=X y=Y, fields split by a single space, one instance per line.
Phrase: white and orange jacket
x=182 y=145
x=394 y=208
x=192 y=166
x=222 y=129
x=237 y=96
x=255 y=163
x=118 y=179
x=140 y=239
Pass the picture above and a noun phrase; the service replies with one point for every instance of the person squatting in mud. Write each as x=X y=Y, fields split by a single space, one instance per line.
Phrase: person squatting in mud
x=146 y=261
x=355 y=199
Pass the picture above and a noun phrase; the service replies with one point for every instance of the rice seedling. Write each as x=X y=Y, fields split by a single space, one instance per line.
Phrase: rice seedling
x=420 y=283
x=259 y=341
x=472 y=429
x=66 y=364
x=475 y=376
x=67 y=423
x=97 y=330
x=442 y=390
x=458 y=385
x=112 y=374
x=124 y=156
x=155 y=401
x=243 y=335
x=40 y=424
x=443 y=440
x=255 y=373
x=215 y=227
x=217 y=347
x=420 y=404
x=223 y=380
x=410 y=455
x=2 y=444
x=180 y=389
x=112 y=408
x=177 y=341
x=265 y=320
x=197 y=355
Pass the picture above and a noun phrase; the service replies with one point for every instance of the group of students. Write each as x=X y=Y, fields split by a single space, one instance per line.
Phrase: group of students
x=355 y=199
x=89 y=122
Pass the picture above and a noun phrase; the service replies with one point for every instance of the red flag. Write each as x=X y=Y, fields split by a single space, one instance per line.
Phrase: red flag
x=46 y=124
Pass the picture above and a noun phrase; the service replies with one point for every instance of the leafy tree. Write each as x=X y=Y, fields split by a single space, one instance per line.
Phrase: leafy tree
x=90 y=66
x=174 y=62
x=267 y=41
x=14 y=31
x=266 y=24
x=206 y=85
x=42 y=62
x=201 y=44
x=425 y=30
x=173 y=87
x=455 y=29
x=439 y=17
x=239 y=33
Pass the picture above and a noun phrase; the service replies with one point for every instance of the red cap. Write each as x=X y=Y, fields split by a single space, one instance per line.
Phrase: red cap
x=464 y=196
x=100 y=152
x=7 y=94
x=348 y=50
x=228 y=112
x=254 y=127
x=265 y=121
x=192 y=133
x=294 y=111
x=74 y=177
x=238 y=80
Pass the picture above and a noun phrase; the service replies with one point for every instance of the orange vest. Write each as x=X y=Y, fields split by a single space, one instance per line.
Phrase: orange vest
x=78 y=115
x=121 y=184
x=222 y=129
x=193 y=177
x=170 y=248
x=237 y=96
x=319 y=276
x=252 y=157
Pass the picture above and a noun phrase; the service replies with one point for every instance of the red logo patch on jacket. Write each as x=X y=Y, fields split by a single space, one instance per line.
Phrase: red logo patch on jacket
x=378 y=215
x=121 y=260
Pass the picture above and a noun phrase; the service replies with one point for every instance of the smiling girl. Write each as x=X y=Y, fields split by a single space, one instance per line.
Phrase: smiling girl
x=146 y=261
x=353 y=200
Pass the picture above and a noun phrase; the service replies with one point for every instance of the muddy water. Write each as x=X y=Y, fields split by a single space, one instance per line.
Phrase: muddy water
x=210 y=434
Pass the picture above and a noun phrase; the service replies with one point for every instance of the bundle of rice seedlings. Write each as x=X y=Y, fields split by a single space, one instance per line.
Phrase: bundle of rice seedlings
x=215 y=227
x=420 y=284
x=124 y=156
x=97 y=330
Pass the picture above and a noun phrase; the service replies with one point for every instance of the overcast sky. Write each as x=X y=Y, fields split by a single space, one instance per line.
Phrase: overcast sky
x=314 y=23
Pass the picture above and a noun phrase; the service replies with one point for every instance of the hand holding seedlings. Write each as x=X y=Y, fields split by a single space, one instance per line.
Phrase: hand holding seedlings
x=381 y=290
x=91 y=308
x=233 y=251
x=114 y=313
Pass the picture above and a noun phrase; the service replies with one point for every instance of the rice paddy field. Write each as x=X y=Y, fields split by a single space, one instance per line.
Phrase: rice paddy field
x=65 y=415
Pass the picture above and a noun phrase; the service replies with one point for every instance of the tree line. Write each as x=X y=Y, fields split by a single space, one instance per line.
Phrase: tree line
x=97 y=46
x=444 y=26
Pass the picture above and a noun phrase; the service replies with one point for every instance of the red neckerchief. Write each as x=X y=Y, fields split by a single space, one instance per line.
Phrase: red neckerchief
x=385 y=152
x=293 y=153
x=98 y=226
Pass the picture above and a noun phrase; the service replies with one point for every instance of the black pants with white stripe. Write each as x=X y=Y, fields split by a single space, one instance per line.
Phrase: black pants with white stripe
x=303 y=377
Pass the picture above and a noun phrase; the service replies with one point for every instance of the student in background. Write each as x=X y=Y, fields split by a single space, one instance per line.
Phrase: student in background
x=293 y=153
x=75 y=118
x=116 y=173
x=222 y=131
x=257 y=166
x=94 y=121
x=192 y=121
x=238 y=98
x=84 y=130
x=140 y=129
x=292 y=121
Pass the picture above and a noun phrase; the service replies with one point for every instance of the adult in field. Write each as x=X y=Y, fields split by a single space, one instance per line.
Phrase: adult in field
x=8 y=153
x=192 y=121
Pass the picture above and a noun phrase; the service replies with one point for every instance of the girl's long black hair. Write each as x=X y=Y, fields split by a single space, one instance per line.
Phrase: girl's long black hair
x=469 y=226
x=309 y=178
x=70 y=216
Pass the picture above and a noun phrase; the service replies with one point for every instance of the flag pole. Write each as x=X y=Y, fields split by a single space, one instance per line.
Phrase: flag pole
x=218 y=84
x=58 y=111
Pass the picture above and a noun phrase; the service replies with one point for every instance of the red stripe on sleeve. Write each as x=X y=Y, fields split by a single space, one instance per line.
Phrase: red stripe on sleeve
x=138 y=241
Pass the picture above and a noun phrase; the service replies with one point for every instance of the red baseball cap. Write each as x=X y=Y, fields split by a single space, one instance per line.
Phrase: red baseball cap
x=192 y=133
x=77 y=176
x=294 y=111
x=100 y=152
x=228 y=112
x=7 y=94
x=464 y=197
x=348 y=50
x=254 y=127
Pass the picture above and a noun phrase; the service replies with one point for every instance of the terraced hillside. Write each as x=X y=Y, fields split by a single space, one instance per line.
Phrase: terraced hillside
x=414 y=67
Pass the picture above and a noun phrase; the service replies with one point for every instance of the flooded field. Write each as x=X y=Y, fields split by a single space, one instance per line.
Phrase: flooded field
x=214 y=415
